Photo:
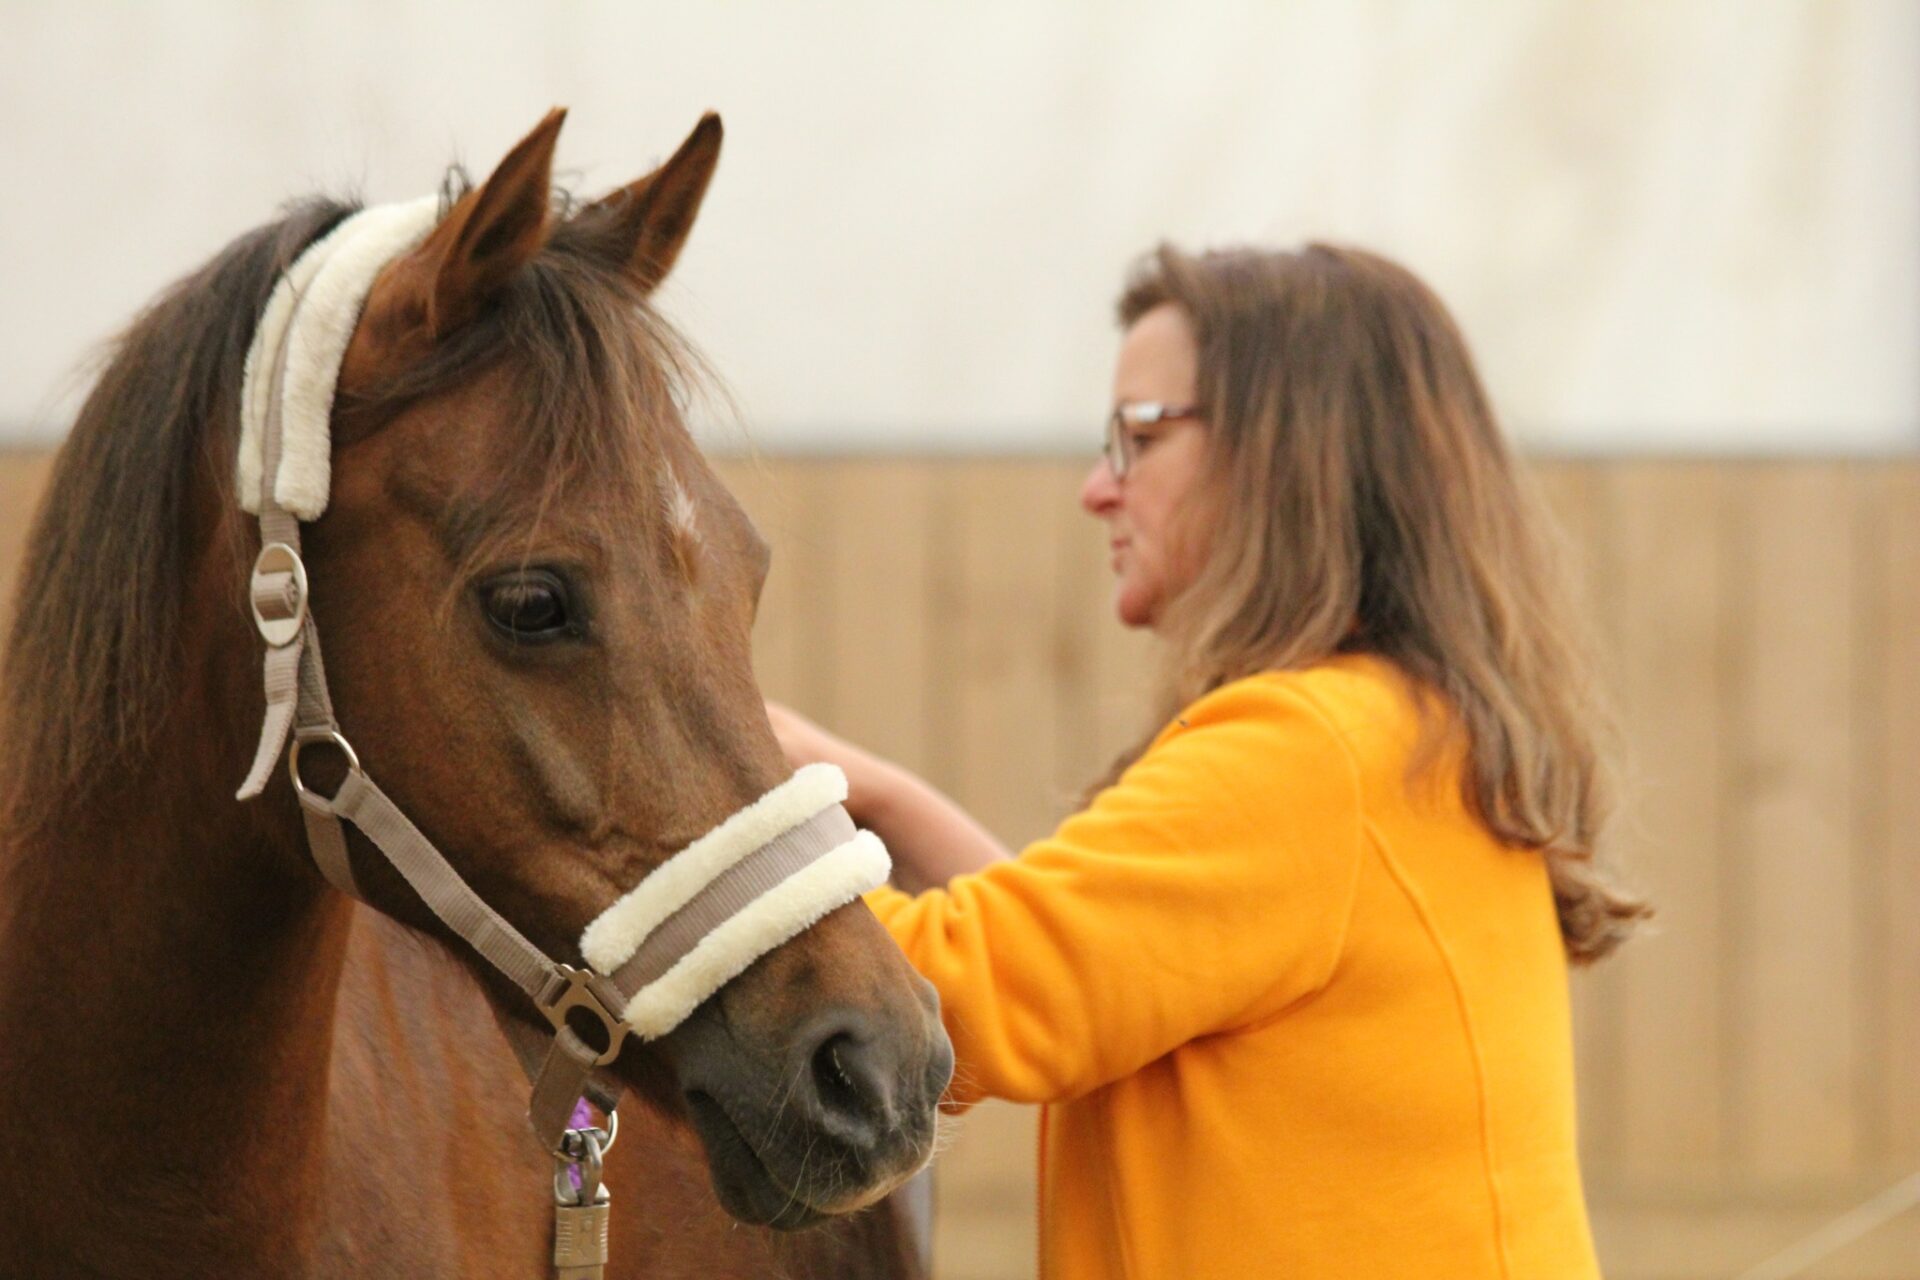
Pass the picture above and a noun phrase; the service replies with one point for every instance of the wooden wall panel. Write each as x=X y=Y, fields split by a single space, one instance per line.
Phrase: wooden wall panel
x=1115 y=665
x=1577 y=500
x=997 y=618
x=1080 y=654
x=1889 y=763
x=1791 y=854
x=845 y=620
x=1747 y=1071
x=1665 y=616
x=880 y=652
x=774 y=494
x=1688 y=1238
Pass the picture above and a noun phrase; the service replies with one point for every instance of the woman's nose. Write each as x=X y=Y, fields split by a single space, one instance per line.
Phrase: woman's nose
x=1099 y=492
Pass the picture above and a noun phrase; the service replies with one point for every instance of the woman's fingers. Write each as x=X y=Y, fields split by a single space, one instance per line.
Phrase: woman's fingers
x=801 y=740
x=784 y=731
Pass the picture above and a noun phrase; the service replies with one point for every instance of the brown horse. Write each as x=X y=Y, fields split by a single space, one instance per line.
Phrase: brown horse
x=536 y=599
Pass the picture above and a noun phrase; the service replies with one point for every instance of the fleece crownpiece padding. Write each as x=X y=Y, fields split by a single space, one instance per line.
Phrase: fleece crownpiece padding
x=313 y=312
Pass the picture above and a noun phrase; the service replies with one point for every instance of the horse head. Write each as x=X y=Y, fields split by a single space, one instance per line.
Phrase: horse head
x=537 y=600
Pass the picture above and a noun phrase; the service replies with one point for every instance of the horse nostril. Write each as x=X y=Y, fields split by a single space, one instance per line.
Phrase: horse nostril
x=843 y=1080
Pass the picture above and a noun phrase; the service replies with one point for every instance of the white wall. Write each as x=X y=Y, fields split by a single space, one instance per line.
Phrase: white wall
x=1675 y=224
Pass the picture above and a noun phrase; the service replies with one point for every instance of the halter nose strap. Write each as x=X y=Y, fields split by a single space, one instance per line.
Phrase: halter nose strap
x=759 y=878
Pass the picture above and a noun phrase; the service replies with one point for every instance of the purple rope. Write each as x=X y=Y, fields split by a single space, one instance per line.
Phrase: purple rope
x=582 y=1119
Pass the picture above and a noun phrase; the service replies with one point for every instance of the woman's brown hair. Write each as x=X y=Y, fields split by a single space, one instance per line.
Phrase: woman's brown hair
x=1361 y=498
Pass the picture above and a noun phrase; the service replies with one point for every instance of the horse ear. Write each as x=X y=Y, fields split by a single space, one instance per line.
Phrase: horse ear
x=651 y=218
x=492 y=232
x=489 y=234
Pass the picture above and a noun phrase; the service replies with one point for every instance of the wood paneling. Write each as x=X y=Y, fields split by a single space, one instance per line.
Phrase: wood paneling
x=1577 y=499
x=1747 y=1070
x=1889 y=763
x=1791 y=853
x=1667 y=622
x=1679 y=1237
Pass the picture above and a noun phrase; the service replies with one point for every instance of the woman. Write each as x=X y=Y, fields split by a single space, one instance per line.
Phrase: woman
x=1292 y=987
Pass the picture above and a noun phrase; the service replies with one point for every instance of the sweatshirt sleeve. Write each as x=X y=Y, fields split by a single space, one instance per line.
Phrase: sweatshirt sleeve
x=1207 y=889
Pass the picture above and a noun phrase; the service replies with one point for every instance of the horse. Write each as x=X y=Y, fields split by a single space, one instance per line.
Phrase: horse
x=538 y=600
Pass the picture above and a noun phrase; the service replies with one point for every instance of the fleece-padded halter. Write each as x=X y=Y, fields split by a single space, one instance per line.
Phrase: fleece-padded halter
x=706 y=914
x=751 y=884
x=327 y=285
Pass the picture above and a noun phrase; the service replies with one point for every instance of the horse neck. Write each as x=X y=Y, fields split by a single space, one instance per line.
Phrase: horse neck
x=168 y=971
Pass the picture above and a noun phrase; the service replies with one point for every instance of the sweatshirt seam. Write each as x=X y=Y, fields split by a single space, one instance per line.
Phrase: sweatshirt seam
x=1483 y=1095
x=1337 y=953
x=1305 y=703
x=1362 y=830
x=1484 y=1098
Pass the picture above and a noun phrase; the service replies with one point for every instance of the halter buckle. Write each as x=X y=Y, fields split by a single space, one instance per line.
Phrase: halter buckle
x=576 y=994
x=277 y=594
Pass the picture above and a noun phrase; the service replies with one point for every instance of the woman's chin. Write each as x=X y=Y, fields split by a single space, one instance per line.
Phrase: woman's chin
x=1134 y=607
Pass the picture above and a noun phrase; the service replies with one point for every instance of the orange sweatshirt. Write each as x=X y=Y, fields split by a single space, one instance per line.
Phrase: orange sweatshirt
x=1288 y=1016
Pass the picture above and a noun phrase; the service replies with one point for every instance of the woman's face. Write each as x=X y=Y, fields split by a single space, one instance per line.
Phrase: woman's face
x=1149 y=532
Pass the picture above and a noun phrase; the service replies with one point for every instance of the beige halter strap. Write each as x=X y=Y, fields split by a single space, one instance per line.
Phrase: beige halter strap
x=298 y=704
x=689 y=927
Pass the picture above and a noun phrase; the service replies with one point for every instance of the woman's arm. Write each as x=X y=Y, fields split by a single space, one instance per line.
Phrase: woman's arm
x=1208 y=889
x=932 y=839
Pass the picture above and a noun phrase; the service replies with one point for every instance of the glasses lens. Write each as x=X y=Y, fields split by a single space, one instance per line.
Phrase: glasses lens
x=1116 y=445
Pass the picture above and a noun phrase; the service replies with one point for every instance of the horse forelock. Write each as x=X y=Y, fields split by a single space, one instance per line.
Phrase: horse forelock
x=95 y=649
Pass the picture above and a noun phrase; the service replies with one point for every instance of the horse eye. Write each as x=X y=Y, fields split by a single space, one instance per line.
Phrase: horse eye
x=531 y=605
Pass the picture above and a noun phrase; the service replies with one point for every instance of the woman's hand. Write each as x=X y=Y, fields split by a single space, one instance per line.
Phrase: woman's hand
x=931 y=838
x=805 y=742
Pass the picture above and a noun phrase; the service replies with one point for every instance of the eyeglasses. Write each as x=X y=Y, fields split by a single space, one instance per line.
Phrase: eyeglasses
x=1123 y=446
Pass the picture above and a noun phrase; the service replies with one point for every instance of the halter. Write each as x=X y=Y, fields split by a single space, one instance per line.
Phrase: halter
x=759 y=878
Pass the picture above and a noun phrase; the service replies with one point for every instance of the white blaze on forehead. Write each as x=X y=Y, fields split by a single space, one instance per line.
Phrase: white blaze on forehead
x=680 y=508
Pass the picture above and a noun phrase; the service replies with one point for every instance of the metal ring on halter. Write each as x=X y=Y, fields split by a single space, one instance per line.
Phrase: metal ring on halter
x=304 y=738
x=613 y=1131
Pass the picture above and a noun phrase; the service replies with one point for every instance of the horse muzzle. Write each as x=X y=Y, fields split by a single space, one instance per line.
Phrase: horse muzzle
x=839 y=1115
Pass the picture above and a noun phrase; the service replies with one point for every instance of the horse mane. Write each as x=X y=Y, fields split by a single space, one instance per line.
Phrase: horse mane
x=93 y=656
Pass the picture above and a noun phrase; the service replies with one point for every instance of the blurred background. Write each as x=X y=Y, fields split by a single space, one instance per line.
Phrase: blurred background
x=1683 y=237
